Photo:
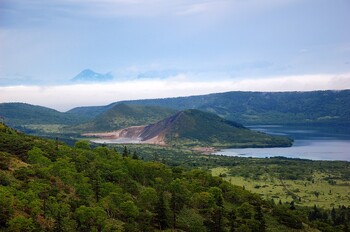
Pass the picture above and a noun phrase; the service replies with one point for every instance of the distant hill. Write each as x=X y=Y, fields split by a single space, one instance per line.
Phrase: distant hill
x=267 y=107
x=90 y=112
x=258 y=107
x=123 y=115
x=88 y=75
x=197 y=128
x=21 y=114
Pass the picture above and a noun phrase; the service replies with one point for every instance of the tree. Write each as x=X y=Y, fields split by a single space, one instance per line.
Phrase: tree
x=178 y=198
x=135 y=156
x=36 y=156
x=232 y=217
x=217 y=194
x=315 y=214
x=218 y=211
x=82 y=144
x=259 y=216
x=4 y=160
x=246 y=210
x=6 y=206
x=333 y=215
x=203 y=201
x=292 y=206
x=4 y=179
x=161 y=218
x=189 y=220
x=112 y=202
x=129 y=210
x=148 y=198
x=125 y=152
x=90 y=218
x=288 y=218
x=21 y=224
x=96 y=183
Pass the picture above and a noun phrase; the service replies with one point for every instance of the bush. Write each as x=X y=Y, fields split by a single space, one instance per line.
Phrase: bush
x=288 y=218
x=4 y=180
x=4 y=161
x=82 y=144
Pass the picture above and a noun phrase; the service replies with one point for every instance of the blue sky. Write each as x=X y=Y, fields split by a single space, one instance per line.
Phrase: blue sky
x=43 y=44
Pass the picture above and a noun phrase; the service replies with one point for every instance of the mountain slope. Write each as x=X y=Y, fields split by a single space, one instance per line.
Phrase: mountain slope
x=48 y=186
x=90 y=112
x=257 y=107
x=21 y=114
x=123 y=115
x=267 y=107
x=88 y=75
x=197 y=128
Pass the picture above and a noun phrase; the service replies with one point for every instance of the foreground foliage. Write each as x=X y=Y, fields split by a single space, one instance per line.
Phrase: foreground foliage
x=48 y=186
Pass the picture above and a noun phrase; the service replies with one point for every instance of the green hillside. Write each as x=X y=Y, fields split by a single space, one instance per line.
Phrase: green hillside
x=194 y=127
x=22 y=114
x=267 y=107
x=90 y=112
x=315 y=107
x=48 y=186
x=123 y=115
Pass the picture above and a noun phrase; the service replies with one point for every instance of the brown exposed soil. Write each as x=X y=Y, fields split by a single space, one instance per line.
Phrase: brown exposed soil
x=151 y=134
x=142 y=133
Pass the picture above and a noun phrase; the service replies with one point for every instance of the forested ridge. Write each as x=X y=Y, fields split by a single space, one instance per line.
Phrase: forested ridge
x=122 y=116
x=247 y=108
x=46 y=185
x=20 y=114
x=316 y=107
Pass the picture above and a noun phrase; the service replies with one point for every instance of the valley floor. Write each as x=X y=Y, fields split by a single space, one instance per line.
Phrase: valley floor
x=318 y=191
x=325 y=184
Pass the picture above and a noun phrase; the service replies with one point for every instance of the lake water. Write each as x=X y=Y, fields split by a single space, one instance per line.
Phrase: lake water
x=310 y=142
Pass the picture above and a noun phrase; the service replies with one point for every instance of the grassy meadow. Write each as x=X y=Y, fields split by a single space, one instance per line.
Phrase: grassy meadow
x=317 y=191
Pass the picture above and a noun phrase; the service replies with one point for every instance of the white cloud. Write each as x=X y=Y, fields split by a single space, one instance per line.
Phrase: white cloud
x=67 y=96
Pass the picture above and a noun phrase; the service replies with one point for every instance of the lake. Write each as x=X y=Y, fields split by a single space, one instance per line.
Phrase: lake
x=310 y=142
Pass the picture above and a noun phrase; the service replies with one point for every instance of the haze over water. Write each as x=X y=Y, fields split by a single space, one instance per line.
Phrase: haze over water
x=310 y=142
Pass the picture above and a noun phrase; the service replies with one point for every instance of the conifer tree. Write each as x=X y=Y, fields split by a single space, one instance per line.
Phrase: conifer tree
x=125 y=152
x=161 y=213
x=232 y=217
x=259 y=216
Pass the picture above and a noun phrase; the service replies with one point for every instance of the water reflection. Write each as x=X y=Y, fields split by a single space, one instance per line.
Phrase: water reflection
x=310 y=142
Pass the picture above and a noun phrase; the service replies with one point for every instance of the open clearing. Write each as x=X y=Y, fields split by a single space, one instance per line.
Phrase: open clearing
x=317 y=192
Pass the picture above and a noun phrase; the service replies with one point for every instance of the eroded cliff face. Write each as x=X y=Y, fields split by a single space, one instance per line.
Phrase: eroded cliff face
x=134 y=133
x=151 y=134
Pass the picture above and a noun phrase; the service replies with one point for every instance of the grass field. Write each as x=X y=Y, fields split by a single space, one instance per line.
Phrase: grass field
x=307 y=183
x=317 y=191
x=46 y=128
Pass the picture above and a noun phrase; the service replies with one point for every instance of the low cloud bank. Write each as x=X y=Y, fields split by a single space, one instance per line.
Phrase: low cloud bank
x=65 y=97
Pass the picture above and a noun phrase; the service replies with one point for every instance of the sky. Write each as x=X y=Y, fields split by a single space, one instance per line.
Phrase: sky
x=162 y=48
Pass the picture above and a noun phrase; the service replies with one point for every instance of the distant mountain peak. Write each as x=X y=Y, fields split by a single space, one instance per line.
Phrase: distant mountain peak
x=88 y=75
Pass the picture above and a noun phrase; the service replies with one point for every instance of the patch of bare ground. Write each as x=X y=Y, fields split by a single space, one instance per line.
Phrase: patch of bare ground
x=133 y=133
x=130 y=132
x=157 y=140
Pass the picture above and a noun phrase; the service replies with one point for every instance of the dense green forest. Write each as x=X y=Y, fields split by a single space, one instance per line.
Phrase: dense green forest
x=46 y=185
x=19 y=114
x=267 y=107
x=197 y=128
